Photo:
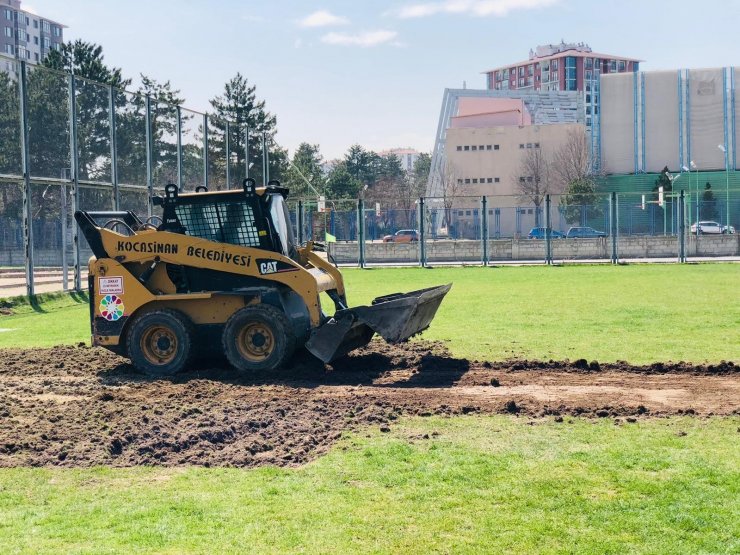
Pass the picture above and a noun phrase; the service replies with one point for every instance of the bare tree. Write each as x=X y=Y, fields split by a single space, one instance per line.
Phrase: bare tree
x=451 y=188
x=572 y=161
x=534 y=179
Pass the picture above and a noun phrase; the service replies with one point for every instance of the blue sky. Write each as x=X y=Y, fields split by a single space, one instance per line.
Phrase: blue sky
x=373 y=72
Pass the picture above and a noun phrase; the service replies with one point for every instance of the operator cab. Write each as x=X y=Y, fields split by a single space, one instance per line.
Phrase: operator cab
x=253 y=217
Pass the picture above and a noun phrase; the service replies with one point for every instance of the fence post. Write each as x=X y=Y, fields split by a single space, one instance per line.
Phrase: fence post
x=246 y=151
x=422 y=235
x=228 y=155
x=613 y=225
x=682 y=227
x=63 y=209
x=205 y=151
x=548 y=233
x=299 y=221
x=361 y=231
x=180 y=176
x=484 y=230
x=27 y=193
x=265 y=159
x=75 y=170
x=113 y=147
x=149 y=153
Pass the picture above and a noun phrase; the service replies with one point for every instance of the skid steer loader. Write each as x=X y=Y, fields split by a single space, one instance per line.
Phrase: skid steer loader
x=221 y=271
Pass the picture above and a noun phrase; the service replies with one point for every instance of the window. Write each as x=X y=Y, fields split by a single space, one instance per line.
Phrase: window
x=496 y=180
x=57 y=31
x=521 y=82
x=459 y=212
x=506 y=74
x=588 y=99
x=467 y=212
x=622 y=65
x=529 y=145
x=8 y=32
x=589 y=75
x=475 y=147
x=521 y=145
x=536 y=145
x=475 y=180
x=612 y=65
x=35 y=40
x=35 y=23
x=589 y=62
x=480 y=147
x=495 y=147
x=9 y=49
x=8 y=15
x=521 y=71
x=529 y=211
x=36 y=56
x=522 y=180
x=46 y=26
x=554 y=76
x=466 y=147
x=22 y=35
x=459 y=147
x=529 y=179
x=489 y=180
x=588 y=122
x=467 y=181
x=488 y=147
x=554 y=65
x=45 y=42
x=459 y=181
x=227 y=222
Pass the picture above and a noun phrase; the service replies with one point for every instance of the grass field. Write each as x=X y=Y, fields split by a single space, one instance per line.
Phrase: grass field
x=477 y=485
x=639 y=313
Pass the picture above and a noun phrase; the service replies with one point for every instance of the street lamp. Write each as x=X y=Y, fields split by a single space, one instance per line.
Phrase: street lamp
x=727 y=190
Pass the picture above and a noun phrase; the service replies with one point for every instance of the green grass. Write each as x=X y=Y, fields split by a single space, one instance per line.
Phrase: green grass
x=483 y=485
x=639 y=313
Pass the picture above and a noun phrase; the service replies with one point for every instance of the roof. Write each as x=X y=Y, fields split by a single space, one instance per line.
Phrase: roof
x=572 y=52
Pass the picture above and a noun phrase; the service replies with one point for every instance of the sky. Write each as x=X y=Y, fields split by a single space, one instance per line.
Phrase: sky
x=373 y=72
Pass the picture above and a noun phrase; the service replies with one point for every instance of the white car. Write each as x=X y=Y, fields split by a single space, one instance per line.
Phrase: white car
x=708 y=227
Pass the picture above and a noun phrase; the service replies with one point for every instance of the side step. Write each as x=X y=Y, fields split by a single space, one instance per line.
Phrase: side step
x=395 y=318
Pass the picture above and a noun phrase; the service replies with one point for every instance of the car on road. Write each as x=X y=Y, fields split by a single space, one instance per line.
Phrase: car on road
x=583 y=232
x=710 y=228
x=539 y=233
x=402 y=236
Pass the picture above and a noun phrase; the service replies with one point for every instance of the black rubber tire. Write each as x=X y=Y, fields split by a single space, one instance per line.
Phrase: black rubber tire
x=270 y=320
x=180 y=327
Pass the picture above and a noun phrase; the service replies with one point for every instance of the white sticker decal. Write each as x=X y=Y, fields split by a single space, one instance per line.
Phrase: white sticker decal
x=110 y=286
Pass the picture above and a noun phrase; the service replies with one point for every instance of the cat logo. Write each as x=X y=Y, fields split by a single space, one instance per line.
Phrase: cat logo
x=268 y=267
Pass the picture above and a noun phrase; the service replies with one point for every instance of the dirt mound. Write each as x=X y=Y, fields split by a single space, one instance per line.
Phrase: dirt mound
x=76 y=406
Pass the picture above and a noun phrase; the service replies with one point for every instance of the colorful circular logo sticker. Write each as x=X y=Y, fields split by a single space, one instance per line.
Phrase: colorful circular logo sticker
x=111 y=308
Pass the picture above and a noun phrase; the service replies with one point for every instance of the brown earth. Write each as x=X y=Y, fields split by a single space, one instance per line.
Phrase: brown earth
x=76 y=406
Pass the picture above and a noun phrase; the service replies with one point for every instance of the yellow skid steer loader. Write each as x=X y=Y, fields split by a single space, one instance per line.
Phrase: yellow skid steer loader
x=222 y=271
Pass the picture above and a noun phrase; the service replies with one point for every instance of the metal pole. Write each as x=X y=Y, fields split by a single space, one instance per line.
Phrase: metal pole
x=697 y=201
x=63 y=209
x=228 y=156
x=681 y=228
x=265 y=159
x=25 y=159
x=75 y=169
x=205 y=151
x=113 y=148
x=484 y=230
x=422 y=235
x=727 y=192
x=614 y=211
x=149 y=154
x=548 y=232
x=246 y=151
x=361 y=231
x=180 y=176
x=299 y=221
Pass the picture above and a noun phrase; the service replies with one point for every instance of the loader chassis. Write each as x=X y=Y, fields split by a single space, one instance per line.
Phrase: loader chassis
x=219 y=272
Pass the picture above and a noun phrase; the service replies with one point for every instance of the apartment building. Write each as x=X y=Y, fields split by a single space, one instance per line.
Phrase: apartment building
x=25 y=36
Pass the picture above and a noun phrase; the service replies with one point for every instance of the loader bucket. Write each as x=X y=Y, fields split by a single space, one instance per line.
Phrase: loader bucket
x=395 y=318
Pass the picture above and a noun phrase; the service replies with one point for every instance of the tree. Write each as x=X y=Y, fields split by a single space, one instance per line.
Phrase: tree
x=533 y=181
x=342 y=184
x=709 y=204
x=580 y=200
x=306 y=166
x=85 y=60
x=572 y=161
x=451 y=188
x=239 y=106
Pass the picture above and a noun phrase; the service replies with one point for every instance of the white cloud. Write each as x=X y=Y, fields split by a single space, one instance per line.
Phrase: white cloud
x=366 y=39
x=322 y=18
x=478 y=8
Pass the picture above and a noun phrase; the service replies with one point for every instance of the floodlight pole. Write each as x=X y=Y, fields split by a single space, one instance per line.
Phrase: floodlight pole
x=27 y=193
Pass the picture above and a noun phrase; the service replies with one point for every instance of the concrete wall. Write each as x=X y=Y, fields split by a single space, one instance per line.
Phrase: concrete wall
x=533 y=249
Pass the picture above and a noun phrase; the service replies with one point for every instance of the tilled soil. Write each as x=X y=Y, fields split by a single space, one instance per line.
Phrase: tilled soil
x=76 y=406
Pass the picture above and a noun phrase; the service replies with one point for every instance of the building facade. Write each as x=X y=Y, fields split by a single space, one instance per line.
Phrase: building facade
x=25 y=36
x=407 y=156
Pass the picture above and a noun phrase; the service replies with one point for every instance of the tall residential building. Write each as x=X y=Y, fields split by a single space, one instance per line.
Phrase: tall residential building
x=562 y=67
x=25 y=36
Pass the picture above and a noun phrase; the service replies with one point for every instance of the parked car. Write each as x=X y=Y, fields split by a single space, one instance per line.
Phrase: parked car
x=539 y=233
x=402 y=236
x=584 y=233
x=730 y=229
x=709 y=227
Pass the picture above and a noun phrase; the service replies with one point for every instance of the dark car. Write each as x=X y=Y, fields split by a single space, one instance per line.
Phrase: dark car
x=584 y=233
x=402 y=236
x=539 y=233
